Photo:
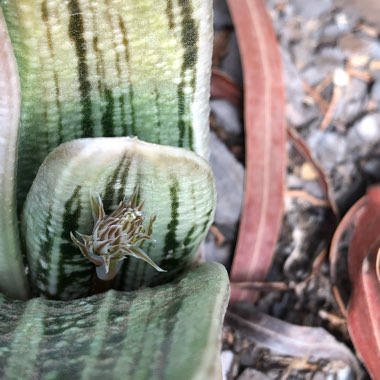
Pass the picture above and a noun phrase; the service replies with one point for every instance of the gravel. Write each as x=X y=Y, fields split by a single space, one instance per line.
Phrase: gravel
x=331 y=61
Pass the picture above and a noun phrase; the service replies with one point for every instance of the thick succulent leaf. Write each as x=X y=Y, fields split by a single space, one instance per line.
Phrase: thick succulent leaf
x=12 y=274
x=175 y=184
x=110 y=68
x=170 y=332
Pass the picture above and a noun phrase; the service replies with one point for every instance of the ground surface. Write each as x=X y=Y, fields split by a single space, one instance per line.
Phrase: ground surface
x=331 y=59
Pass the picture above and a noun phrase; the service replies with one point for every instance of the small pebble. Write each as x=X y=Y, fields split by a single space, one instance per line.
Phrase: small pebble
x=227 y=117
x=222 y=17
x=229 y=180
x=375 y=93
x=252 y=374
x=231 y=63
x=312 y=9
x=214 y=252
x=371 y=167
x=298 y=113
x=345 y=374
x=340 y=78
x=227 y=359
x=328 y=147
x=352 y=103
x=353 y=44
x=368 y=128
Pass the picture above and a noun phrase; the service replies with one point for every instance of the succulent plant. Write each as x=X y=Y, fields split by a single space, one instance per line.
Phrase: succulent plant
x=103 y=148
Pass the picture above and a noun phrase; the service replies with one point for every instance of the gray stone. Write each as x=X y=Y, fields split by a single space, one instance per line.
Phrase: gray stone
x=301 y=55
x=345 y=373
x=375 y=92
x=229 y=179
x=348 y=182
x=313 y=74
x=222 y=18
x=352 y=102
x=330 y=34
x=369 y=9
x=371 y=168
x=364 y=136
x=328 y=147
x=312 y=9
x=354 y=44
x=231 y=63
x=298 y=113
x=227 y=116
x=213 y=252
x=331 y=56
x=319 y=376
x=323 y=65
x=368 y=128
x=346 y=20
x=252 y=374
x=290 y=32
x=227 y=359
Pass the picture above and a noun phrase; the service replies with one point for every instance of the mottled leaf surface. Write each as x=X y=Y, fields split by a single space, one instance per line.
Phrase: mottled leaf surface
x=11 y=262
x=175 y=184
x=170 y=332
x=107 y=68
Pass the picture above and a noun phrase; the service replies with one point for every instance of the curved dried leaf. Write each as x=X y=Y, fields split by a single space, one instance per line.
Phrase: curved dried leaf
x=223 y=86
x=265 y=144
x=283 y=338
x=347 y=224
x=364 y=308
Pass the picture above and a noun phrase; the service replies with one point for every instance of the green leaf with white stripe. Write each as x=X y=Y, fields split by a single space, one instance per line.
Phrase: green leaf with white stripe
x=12 y=274
x=175 y=184
x=169 y=332
x=94 y=68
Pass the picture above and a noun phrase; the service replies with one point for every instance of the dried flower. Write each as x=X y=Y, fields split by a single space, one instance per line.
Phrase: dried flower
x=115 y=237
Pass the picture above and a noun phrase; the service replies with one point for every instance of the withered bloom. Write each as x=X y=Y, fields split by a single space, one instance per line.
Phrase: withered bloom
x=115 y=237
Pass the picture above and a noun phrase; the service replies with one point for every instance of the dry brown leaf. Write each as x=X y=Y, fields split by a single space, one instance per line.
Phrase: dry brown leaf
x=364 y=306
x=265 y=144
x=223 y=87
x=283 y=338
x=346 y=225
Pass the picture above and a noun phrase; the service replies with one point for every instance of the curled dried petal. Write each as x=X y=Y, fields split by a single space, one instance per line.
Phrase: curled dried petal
x=115 y=236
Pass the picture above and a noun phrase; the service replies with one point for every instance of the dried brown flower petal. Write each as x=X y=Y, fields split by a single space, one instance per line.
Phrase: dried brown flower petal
x=115 y=236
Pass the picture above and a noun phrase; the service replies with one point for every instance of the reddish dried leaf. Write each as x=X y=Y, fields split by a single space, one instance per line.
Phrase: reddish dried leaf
x=283 y=338
x=223 y=87
x=348 y=222
x=364 y=307
x=265 y=144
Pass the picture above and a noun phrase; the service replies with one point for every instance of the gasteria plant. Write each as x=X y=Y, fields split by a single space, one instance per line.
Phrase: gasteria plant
x=101 y=210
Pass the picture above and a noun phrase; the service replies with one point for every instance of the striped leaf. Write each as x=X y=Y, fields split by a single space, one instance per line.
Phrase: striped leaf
x=12 y=274
x=176 y=186
x=170 y=332
x=110 y=68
